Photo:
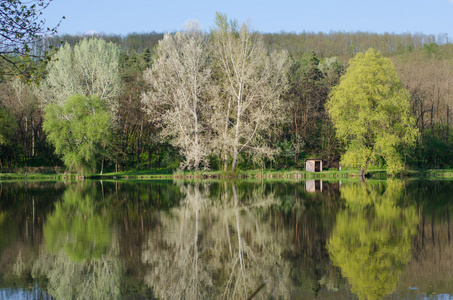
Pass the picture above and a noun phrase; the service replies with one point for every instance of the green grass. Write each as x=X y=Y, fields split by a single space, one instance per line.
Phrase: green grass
x=22 y=176
x=145 y=174
x=285 y=174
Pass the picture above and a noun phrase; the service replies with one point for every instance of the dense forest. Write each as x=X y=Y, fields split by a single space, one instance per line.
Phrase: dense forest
x=129 y=95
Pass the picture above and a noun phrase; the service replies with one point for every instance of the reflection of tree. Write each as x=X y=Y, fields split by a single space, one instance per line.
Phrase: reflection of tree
x=178 y=271
x=217 y=248
x=371 y=241
x=76 y=225
x=80 y=260
x=90 y=279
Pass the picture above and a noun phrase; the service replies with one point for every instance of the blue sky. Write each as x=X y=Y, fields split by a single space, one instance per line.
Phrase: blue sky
x=122 y=17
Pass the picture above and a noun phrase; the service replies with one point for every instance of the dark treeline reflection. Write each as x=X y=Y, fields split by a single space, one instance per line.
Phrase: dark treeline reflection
x=225 y=240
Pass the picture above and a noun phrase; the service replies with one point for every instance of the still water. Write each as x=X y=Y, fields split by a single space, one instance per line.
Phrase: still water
x=226 y=240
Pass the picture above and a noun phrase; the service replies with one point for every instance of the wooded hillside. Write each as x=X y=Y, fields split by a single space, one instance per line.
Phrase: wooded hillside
x=316 y=62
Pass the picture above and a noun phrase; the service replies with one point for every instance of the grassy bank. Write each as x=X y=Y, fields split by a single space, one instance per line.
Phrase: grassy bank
x=249 y=174
x=282 y=174
x=54 y=177
x=301 y=174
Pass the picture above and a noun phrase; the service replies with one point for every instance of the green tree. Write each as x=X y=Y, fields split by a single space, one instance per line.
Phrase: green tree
x=78 y=130
x=371 y=113
x=7 y=130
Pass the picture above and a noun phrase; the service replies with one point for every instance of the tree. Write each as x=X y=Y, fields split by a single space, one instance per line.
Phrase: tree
x=7 y=129
x=371 y=113
x=21 y=28
x=306 y=98
x=179 y=79
x=78 y=130
x=91 y=68
x=251 y=82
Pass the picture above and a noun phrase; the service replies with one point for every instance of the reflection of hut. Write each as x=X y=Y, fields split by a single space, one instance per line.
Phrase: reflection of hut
x=312 y=186
x=313 y=165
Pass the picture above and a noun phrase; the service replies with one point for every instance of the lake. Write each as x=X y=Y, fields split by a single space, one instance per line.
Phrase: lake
x=163 y=239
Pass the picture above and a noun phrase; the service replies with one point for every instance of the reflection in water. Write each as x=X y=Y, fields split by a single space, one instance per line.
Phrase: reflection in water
x=371 y=241
x=224 y=240
x=312 y=186
x=219 y=247
x=80 y=260
x=78 y=226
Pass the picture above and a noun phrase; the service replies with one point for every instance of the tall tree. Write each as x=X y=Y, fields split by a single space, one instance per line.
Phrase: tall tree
x=179 y=79
x=306 y=96
x=371 y=112
x=251 y=83
x=91 y=68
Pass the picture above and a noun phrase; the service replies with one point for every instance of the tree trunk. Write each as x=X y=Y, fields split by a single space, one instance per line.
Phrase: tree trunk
x=362 y=174
x=235 y=159
x=137 y=155
x=432 y=124
x=225 y=159
x=225 y=162
x=33 y=137
x=448 y=125
x=150 y=154
x=157 y=157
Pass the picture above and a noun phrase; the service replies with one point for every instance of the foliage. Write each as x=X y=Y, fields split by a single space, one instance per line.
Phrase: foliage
x=371 y=113
x=180 y=81
x=251 y=81
x=341 y=44
x=78 y=131
x=297 y=127
x=310 y=81
x=7 y=127
x=90 y=68
x=22 y=29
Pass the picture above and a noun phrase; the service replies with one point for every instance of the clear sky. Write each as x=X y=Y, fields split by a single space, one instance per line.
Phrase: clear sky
x=123 y=17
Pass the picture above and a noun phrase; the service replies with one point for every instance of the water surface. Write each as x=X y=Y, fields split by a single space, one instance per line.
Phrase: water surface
x=226 y=239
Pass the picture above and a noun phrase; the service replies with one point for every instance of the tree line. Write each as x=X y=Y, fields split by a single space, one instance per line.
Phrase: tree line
x=227 y=99
x=335 y=43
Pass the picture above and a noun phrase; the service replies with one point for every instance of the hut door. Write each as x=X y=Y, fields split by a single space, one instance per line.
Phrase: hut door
x=317 y=166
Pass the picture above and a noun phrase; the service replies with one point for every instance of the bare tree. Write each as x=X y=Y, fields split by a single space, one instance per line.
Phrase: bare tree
x=251 y=83
x=179 y=80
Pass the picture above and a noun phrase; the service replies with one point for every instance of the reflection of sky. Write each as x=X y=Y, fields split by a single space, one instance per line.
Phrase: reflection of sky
x=19 y=294
x=440 y=296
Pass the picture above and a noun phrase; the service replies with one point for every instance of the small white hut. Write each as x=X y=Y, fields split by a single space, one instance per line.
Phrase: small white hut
x=313 y=165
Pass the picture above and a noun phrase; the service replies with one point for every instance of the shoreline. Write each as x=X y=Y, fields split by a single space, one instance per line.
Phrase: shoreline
x=247 y=174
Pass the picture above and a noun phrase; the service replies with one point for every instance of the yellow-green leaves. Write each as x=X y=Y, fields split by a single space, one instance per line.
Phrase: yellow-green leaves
x=79 y=131
x=371 y=241
x=371 y=112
